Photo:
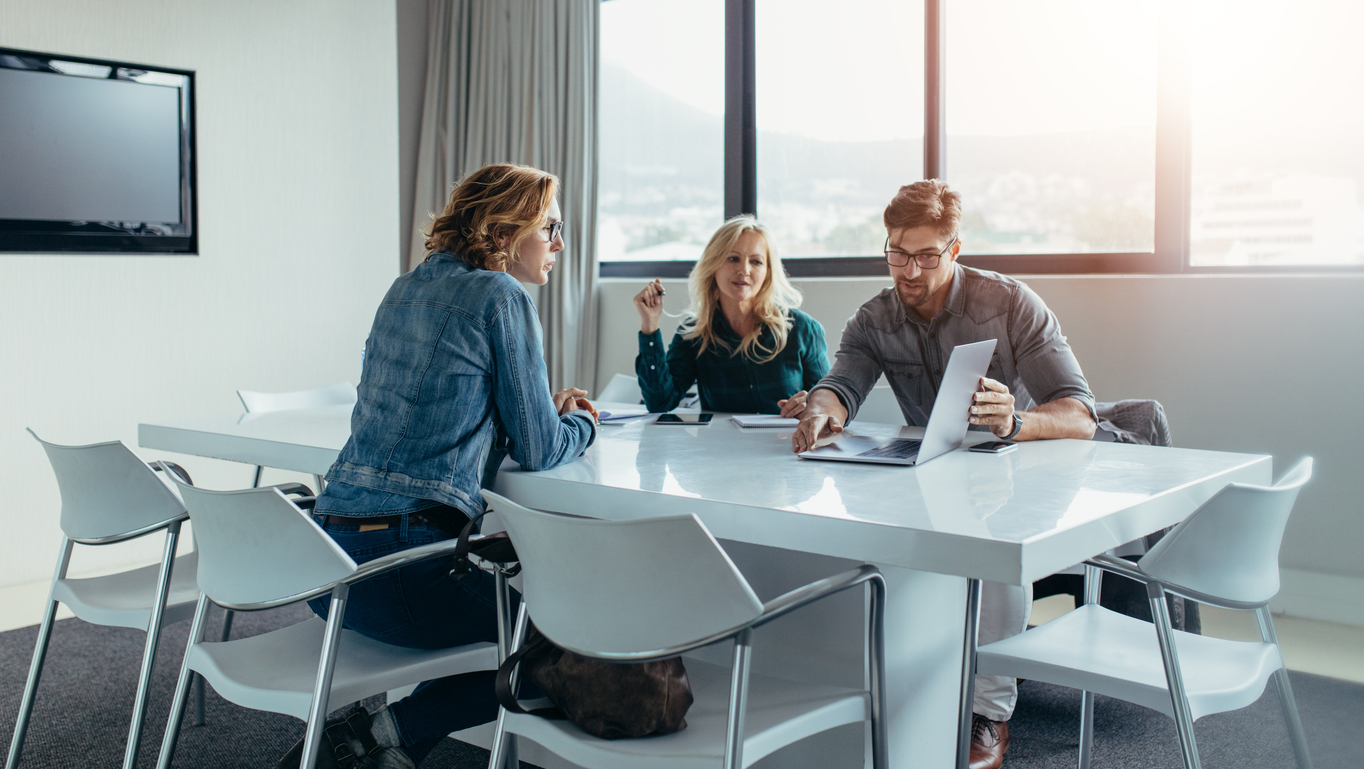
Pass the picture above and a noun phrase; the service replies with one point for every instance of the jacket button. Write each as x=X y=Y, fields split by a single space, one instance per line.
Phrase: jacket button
x=651 y=368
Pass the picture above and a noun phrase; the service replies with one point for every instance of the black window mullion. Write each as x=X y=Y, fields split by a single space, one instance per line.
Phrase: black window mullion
x=741 y=109
x=935 y=114
x=1174 y=140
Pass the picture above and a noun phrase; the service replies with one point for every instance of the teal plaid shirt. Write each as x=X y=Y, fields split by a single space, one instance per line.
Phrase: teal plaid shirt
x=732 y=383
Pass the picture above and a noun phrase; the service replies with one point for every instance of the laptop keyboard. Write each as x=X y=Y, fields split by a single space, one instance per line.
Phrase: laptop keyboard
x=900 y=448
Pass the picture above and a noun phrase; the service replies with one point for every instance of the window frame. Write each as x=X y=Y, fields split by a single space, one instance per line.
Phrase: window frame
x=1173 y=166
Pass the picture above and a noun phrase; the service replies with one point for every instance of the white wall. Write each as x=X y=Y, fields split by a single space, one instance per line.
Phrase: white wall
x=1263 y=364
x=298 y=206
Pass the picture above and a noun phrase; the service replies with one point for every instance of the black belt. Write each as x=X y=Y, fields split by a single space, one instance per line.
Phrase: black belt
x=365 y=520
x=448 y=519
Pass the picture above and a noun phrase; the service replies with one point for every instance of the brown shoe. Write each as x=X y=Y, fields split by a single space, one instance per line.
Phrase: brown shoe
x=989 y=740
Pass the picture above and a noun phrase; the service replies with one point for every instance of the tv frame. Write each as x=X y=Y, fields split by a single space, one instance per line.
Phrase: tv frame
x=30 y=236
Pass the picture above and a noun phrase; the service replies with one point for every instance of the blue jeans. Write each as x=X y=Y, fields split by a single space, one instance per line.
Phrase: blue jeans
x=421 y=607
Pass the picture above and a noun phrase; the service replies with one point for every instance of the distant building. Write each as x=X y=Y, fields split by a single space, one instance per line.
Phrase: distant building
x=1309 y=220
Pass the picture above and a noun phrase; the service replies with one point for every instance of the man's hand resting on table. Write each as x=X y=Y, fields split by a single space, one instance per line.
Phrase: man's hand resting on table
x=824 y=416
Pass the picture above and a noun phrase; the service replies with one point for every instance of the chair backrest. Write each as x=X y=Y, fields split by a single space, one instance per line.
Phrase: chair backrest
x=107 y=492
x=335 y=395
x=1135 y=421
x=622 y=388
x=1229 y=547
x=881 y=406
x=617 y=587
x=256 y=547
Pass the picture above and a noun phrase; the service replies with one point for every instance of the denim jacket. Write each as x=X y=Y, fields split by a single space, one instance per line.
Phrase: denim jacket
x=454 y=379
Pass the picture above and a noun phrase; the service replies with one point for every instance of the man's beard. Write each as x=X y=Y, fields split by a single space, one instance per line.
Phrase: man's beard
x=917 y=297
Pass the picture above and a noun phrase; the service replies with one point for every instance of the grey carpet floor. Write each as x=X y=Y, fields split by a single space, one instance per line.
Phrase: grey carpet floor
x=80 y=720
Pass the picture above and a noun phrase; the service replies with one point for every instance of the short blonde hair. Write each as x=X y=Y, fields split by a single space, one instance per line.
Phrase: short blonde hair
x=774 y=302
x=499 y=202
x=929 y=203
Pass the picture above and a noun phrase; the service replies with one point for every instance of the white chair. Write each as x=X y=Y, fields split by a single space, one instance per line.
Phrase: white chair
x=622 y=388
x=257 y=550
x=881 y=406
x=634 y=591
x=339 y=394
x=108 y=496
x=1225 y=554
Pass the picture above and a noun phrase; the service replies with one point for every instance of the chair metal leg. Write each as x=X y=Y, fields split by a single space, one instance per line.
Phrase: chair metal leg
x=200 y=706
x=196 y=634
x=1286 y=699
x=968 y=673
x=738 y=700
x=504 y=621
x=200 y=685
x=321 y=483
x=1093 y=584
x=227 y=625
x=317 y=713
x=144 y=679
x=35 y=670
x=876 y=657
x=503 y=753
x=1086 y=728
x=1174 y=677
x=255 y=483
x=510 y=755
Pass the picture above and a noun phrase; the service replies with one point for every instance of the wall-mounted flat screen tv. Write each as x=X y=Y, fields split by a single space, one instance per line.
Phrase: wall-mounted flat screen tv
x=95 y=156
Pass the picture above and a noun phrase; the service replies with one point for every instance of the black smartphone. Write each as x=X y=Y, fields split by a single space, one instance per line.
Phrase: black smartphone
x=684 y=419
x=994 y=447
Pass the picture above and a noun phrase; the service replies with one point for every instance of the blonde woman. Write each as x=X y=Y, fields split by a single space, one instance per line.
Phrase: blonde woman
x=744 y=343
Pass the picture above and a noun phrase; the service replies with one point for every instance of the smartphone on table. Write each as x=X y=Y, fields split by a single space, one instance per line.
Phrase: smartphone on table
x=685 y=419
x=994 y=447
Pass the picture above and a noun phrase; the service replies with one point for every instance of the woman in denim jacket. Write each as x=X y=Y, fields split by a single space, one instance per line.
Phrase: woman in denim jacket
x=454 y=380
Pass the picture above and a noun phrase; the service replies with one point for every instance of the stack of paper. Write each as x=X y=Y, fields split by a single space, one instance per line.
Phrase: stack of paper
x=764 y=420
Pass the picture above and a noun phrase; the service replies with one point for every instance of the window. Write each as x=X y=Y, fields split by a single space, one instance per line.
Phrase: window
x=662 y=100
x=1276 y=169
x=837 y=134
x=1051 y=125
x=1085 y=135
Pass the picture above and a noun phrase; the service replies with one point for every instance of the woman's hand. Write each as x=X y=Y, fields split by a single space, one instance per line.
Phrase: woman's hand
x=649 y=302
x=793 y=406
x=586 y=405
x=566 y=400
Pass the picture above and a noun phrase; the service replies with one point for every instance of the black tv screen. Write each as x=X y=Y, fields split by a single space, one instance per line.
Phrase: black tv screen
x=95 y=156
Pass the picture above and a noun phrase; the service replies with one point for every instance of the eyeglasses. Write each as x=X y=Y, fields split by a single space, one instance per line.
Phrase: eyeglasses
x=553 y=229
x=925 y=261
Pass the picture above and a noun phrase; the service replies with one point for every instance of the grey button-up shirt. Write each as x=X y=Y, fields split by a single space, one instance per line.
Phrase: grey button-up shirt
x=1031 y=357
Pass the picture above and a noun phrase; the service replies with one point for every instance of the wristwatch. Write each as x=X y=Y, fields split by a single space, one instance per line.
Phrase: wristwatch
x=1018 y=426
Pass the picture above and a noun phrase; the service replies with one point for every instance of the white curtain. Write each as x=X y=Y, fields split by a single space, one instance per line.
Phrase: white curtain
x=516 y=81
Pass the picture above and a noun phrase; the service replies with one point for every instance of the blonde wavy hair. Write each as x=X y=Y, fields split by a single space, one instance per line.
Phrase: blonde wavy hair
x=497 y=203
x=772 y=306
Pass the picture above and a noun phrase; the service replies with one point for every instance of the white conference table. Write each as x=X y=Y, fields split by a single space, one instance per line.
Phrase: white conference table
x=933 y=530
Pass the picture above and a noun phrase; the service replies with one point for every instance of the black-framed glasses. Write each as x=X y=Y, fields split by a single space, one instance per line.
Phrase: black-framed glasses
x=553 y=229
x=925 y=261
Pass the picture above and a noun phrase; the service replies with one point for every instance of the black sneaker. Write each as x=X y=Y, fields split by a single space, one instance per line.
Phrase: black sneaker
x=346 y=741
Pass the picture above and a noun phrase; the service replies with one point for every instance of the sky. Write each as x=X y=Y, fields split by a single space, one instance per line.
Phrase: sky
x=855 y=73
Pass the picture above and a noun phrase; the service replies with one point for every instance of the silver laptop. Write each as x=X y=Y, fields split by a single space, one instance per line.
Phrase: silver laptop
x=946 y=425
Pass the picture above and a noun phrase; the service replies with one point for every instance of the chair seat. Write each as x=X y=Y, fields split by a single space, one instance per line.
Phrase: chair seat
x=779 y=713
x=125 y=599
x=1101 y=651
x=364 y=667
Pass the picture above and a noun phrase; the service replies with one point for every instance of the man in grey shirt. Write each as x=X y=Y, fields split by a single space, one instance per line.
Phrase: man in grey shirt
x=1033 y=390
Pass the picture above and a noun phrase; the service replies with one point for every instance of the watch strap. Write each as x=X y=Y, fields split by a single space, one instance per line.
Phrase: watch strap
x=1018 y=427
